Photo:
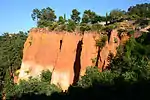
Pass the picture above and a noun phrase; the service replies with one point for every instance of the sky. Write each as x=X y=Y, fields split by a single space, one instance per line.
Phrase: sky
x=15 y=15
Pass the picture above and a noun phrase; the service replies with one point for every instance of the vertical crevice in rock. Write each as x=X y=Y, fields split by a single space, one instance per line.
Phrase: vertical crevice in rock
x=77 y=63
x=109 y=33
x=60 y=45
x=98 y=56
x=103 y=66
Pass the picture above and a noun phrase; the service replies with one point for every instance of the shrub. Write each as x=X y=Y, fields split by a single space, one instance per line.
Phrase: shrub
x=120 y=31
x=94 y=60
x=32 y=86
x=131 y=32
x=52 y=26
x=94 y=76
x=96 y=27
x=46 y=76
x=115 y=40
x=84 y=27
x=71 y=26
x=101 y=41
x=130 y=76
x=109 y=27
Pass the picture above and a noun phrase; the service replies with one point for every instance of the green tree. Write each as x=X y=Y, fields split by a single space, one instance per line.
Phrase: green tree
x=45 y=16
x=75 y=16
x=141 y=10
x=36 y=14
x=94 y=76
x=10 y=55
x=71 y=26
x=88 y=16
x=61 y=20
x=48 y=14
x=117 y=14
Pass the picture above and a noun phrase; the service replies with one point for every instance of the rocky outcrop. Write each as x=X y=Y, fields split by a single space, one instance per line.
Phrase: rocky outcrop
x=109 y=48
x=66 y=55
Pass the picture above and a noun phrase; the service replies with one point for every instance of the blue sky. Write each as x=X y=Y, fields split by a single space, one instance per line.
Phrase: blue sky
x=15 y=15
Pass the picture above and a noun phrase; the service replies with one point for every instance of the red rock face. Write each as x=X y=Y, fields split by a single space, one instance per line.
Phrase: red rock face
x=66 y=55
x=110 y=47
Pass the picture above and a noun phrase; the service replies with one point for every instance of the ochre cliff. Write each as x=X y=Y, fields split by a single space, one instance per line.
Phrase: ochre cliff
x=65 y=54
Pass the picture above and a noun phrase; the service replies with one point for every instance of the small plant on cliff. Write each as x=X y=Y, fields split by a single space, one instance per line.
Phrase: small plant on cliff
x=115 y=40
x=46 y=76
x=71 y=25
x=121 y=31
x=94 y=60
x=30 y=40
x=101 y=41
x=96 y=27
x=84 y=27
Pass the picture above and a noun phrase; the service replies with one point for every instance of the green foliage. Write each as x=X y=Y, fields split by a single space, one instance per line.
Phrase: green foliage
x=8 y=83
x=89 y=17
x=143 y=22
x=131 y=32
x=133 y=58
x=108 y=28
x=141 y=10
x=96 y=27
x=46 y=76
x=130 y=65
x=47 y=14
x=36 y=14
x=115 y=40
x=94 y=60
x=61 y=20
x=75 y=16
x=101 y=41
x=121 y=31
x=84 y=27
x=117 y=14
x=130 y=76
x=44 y=16
x=93 y=75
x=33 y=86
x=10 y=57
x=53 y=26
x=71 y=26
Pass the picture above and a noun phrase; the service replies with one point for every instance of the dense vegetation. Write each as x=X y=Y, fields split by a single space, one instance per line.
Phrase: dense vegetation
x=10 y=55
x=127 y=77
x=46 y=17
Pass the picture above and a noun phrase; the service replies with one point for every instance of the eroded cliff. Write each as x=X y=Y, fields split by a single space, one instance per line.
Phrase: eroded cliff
x=65 y=54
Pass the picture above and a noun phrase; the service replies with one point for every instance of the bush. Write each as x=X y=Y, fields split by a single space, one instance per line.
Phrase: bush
x=84 y=27
x=52 y=26
x=94 y=76
x=109 y=27
x=120 y=32
x=115 y=40
x=71 y=26
x=32 y=86
x=46 y=76
x=96 y=27
x=131 y=32
x=101 y=41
